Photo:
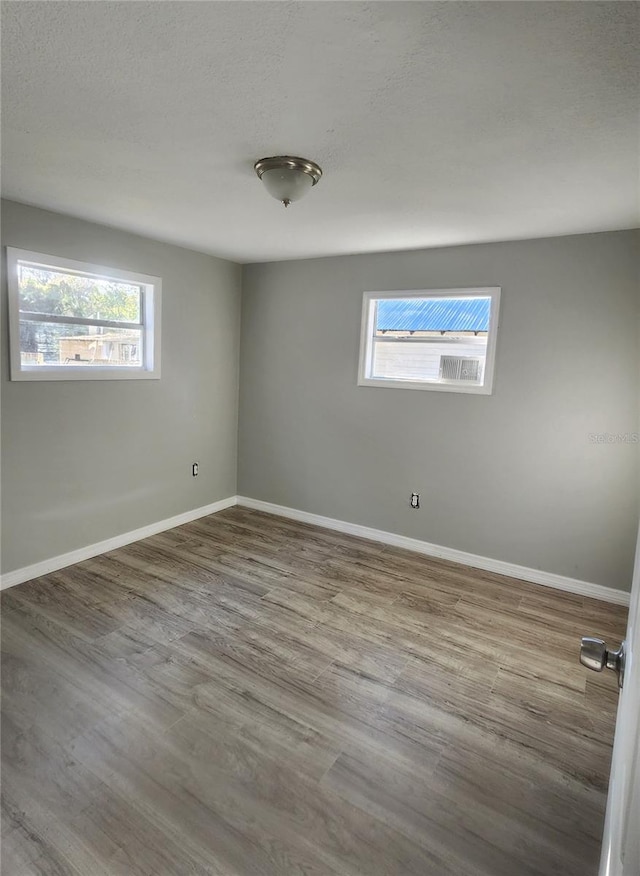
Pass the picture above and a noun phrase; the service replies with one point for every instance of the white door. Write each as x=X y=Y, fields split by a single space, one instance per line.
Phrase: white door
x=621 y=840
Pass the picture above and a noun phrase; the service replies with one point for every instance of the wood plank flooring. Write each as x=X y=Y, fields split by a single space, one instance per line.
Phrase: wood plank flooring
x=249 y=696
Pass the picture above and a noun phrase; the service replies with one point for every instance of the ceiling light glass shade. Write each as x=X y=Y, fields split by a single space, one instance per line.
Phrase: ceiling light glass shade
x=286 y=178
x=286 y=184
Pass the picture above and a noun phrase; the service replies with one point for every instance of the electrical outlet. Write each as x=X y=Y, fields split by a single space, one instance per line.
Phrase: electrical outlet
x=194 y=469
x=415 y=500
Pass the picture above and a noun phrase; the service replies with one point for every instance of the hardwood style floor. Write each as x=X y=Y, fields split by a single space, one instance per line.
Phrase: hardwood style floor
x=250 y=696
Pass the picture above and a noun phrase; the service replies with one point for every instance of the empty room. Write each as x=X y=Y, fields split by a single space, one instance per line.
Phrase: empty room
x=320 y=438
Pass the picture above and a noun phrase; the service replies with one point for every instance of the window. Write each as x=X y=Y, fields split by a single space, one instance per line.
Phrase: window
x=73 y=321
x=443 y=339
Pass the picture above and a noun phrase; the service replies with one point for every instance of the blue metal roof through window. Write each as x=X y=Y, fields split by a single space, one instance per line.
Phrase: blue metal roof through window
x=433 y=314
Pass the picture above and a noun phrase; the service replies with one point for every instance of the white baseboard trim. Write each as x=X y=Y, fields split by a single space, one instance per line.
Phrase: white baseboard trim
x=18 y=576
x=535 y=576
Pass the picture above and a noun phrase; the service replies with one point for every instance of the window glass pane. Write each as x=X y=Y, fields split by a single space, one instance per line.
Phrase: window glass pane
x=48 y=343
x=43 y=290
x=431 y=339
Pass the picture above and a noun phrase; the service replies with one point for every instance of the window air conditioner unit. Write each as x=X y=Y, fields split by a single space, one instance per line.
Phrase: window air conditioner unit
x=460 y=368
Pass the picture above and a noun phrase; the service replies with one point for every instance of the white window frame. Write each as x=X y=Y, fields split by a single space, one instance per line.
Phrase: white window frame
x=440 y=385
x=150 y=324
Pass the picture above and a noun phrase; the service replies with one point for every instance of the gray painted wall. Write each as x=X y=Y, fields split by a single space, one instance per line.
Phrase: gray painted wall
x=82 y=462
x=513 y=476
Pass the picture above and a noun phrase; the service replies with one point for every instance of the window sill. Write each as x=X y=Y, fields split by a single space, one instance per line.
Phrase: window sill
x=434 y=386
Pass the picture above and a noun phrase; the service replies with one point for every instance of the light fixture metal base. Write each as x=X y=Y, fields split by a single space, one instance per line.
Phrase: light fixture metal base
x=291 y=162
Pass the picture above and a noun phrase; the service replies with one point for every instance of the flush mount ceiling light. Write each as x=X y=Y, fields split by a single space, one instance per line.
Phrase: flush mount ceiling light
x=287 y=178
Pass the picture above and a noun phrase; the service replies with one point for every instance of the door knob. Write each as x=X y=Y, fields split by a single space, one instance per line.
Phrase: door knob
x=595 y=655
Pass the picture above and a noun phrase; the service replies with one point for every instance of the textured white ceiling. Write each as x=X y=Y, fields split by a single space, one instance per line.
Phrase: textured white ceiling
x=435 y=123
